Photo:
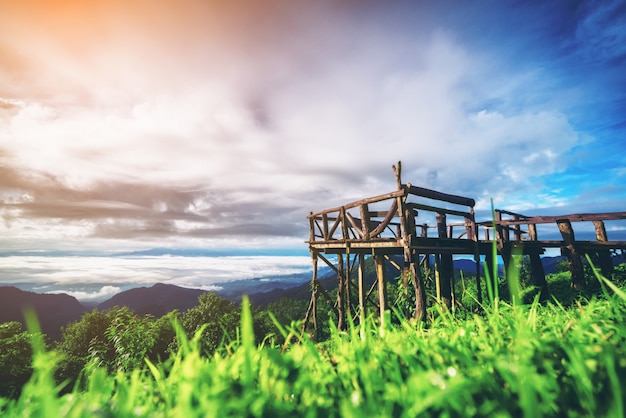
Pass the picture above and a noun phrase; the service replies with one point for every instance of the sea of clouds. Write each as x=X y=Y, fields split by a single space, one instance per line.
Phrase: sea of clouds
x=95 y=279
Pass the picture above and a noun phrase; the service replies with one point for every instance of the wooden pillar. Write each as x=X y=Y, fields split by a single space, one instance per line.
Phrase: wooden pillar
x=517 y=230
x=347 y=291
x=361 y=277
x=605 y=260
x=503 y=241
x=445 y=267
x=341 y=314
x=312 y=309
x=472 y=233
x=575 y=265
x=490 y=265
x=538 y=276
x=426 y=256
x=382 y=291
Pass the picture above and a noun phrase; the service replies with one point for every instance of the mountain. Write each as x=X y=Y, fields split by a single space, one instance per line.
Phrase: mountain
x=156 y=300
x=53 y=310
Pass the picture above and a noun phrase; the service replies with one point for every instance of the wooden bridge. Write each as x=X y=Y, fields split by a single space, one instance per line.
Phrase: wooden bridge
x=396 y=225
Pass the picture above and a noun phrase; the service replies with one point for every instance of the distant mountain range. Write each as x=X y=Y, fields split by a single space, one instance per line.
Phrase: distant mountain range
x=157 y=252
x=53 y=310
x=156 y=300
x=56 y=310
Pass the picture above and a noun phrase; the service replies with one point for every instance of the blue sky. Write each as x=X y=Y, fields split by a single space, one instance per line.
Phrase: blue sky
x=223 y=124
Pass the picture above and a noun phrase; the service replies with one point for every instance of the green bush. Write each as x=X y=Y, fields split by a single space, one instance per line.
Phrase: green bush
x=15 y=358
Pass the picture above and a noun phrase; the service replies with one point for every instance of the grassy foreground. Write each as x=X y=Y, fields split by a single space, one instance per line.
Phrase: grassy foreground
x=528 y=360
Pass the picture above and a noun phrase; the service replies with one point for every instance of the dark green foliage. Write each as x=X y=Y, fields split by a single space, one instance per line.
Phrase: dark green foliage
x=15 y=358
x=81 y=337
x=217 y=317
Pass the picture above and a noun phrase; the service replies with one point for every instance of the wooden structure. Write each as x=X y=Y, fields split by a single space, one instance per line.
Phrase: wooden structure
x=394 y=228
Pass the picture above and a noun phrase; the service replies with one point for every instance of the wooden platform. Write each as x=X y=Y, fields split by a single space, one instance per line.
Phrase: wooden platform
x=418 y=223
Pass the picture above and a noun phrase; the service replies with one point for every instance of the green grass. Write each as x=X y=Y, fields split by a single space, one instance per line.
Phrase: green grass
x=509 y=360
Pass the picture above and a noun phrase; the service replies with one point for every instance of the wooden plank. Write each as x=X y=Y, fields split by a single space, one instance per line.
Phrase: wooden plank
x=429 y=208
x=358 y=203
x=435 y=195
x=580 y=217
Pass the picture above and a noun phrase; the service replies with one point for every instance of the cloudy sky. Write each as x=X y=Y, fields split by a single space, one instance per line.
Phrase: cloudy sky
x=224 y=123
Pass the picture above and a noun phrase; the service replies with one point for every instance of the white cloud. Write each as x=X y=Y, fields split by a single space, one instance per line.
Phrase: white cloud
x=104 y=293
x=271 y=123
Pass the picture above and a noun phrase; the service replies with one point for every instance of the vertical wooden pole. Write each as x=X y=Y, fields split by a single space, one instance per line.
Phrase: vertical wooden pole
x=361 y=277
x=538 y=276
x=365 y=222
x=517 y=230
x=605 y=260
x=472 y=233
x=312 y=310
x=445 y=267
x=490 y=262
x=341 y=323
x=504 y=246
x=382 y=291
x=426 y=256
x=348 y=301
x=575 y=265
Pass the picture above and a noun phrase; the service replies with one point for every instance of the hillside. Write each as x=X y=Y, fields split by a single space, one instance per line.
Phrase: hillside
x=156 y=300
x=53 y=310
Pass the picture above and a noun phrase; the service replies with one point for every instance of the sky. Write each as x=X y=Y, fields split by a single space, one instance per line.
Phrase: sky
x=223 y=124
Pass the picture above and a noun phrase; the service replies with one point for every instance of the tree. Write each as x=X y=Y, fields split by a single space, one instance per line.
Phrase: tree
x=219 y=316
x=15 y=359
x=77 y=339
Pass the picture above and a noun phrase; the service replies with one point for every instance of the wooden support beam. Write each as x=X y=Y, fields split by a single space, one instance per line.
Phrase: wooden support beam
x=328 y=263
x=361 y=278
x=393 y=211
x=605 y=260
x=575 y=264
x=341 y=312
x=435 y=195
x=538 y=276
x=445 y=266
x=356 y=225
x=382 y=287
x=429 y=208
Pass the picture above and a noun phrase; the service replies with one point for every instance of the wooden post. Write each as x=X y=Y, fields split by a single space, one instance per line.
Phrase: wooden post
x=365 y=222
x=397 y=170
x=382 y=291
x=517 y=231
x=348 y=301
x=445 y=267
x=605 y=260
x=575 y=265
x=502 y=236
x=407 y=233
x=361 y=277
x=341 y=322
x=411 y=271
x=312 y=310
x=538 y=276
x=472 y=232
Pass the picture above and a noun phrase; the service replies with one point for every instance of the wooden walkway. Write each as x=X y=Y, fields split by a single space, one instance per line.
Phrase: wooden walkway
x=415 y=224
